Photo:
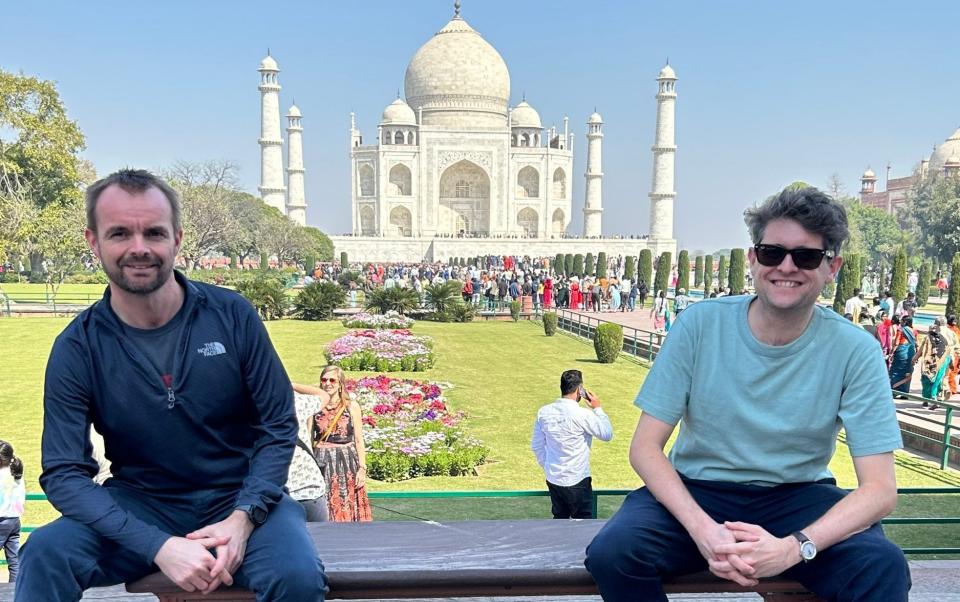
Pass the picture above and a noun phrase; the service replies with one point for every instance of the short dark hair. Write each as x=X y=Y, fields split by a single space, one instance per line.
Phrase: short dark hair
x=907 y=321
x=814 y=210
x=570 y=381
x=132 y=181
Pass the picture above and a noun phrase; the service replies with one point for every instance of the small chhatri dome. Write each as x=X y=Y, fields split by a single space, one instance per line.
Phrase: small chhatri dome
x=943 y=153
x=868 y=175
x=398 y=113
x=667 y=73
x=595 y=118
x=525 y=116
x=294 y=111
x=268 y=64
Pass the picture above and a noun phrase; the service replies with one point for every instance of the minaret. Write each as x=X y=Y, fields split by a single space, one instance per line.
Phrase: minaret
x=664 y=151
x=272 y=190
x=593 y=198
x=296 y=200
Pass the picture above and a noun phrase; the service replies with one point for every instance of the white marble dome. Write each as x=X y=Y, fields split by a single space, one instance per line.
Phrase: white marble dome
x=268 y=64
x=458 y=79
x=398 y=113
x=939 y=158
x=667 y=73
x=294 y=111
x=525 y=116
x=595 y=118
x=868 y=175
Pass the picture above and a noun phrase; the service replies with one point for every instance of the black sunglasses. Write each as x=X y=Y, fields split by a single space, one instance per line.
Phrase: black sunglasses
x=805 y=259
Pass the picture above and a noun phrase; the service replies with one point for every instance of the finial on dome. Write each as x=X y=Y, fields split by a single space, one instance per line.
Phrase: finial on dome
x=524 y=96
x=456 y=9
x=268 y=51
x=398 y=93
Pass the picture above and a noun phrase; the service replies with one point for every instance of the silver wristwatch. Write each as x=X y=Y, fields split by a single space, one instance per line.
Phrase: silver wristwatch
x=808 y=549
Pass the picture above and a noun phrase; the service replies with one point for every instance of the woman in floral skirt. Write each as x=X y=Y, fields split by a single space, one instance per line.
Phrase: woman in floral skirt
x=338 y=446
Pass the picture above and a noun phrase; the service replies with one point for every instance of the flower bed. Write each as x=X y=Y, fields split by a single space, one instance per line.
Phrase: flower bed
x=410 y=432
x=381 y=350
x=391 y=319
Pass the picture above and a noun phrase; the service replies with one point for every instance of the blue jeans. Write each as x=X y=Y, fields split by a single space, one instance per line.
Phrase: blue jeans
x=643 y=543
x=65 y=557
x=10 y=542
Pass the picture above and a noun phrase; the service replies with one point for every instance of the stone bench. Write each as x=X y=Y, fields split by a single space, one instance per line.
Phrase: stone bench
x=407 y=559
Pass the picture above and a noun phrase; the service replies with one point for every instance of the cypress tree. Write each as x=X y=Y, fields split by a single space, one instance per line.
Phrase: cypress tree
x=737 y=265
x=842 y=291
x=578 y=265
x=953 y=296
x=698 y=271
x=683 y=271
x=588 y=265
x=707 y=276
x=722 y=273
x=662 y=281
x=898 y=280
x=601 y=264
x=343 y=259
x=923 y=283
x=629 y=267
x=568 y=264
x=308 y=262
x=645 y=267
x=558 y=265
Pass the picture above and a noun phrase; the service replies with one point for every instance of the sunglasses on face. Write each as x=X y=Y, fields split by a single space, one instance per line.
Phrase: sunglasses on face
x=328 y=380
x=805 y=259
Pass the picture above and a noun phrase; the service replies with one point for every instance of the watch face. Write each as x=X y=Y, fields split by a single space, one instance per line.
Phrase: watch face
x=807 y=550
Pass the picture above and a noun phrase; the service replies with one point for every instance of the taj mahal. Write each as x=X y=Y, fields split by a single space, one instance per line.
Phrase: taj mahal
x=455 y=171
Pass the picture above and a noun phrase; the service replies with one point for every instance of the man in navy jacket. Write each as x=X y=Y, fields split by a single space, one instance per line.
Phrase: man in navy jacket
x=196 y=412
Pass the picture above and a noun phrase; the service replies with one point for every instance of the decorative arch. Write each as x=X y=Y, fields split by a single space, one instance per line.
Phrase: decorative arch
x=528 y=183
x=465 y=199
x=559 y=184
x=529 y=221
x=367 y=180
x=398 y=137
x=401 y=222
x=367 y=221
x=400 y=180
x=557 y=222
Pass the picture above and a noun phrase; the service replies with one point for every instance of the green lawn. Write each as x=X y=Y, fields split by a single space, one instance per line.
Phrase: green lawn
x=502 y=372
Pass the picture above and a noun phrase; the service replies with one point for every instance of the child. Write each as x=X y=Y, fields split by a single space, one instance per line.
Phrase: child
x=12 y=496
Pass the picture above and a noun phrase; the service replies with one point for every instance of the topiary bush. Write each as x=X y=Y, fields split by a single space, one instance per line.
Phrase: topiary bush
x=607 y=342
x=267 y=296
x=515 y=310
x=400 y=300
x=317 y=301
x=550 y=323
x=344 y=260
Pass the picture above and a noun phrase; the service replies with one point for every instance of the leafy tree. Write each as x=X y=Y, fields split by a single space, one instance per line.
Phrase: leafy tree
x=205 y=190
x=874 y=233
x=898 y=280
x=602 y=264
x=568 y=264
x=662 y=281
x=736 y=280
x=707 y=276
x=578 y=265
x=645 y=267
x=722 y=274
x=846 y=283
x=923 y=283
x=56 y=234
x=317 y=244
x=16 y=210
x=953 y=296
x=400 y=300
x=683 y=270
x=629 y=267
x=317 y=301
x=588 y=265
x=934 y=216
x=698 y=271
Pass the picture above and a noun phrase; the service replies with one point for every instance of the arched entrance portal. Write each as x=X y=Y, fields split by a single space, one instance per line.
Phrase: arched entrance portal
x=464 y=200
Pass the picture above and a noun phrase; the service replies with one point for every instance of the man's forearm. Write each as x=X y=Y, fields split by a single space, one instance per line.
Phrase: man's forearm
x=854 y=513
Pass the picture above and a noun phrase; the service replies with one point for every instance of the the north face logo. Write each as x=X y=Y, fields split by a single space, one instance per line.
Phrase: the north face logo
x=212 y=349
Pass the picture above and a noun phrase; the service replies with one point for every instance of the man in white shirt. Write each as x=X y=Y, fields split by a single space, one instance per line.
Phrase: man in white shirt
x=854 y=305
x=561 y=442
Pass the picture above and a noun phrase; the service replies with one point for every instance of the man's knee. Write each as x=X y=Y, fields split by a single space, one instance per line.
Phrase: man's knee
x=299 y=577
x=614 y=552
x=51 y=543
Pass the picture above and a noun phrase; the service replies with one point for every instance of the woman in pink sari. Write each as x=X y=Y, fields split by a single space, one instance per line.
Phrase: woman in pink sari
x=548 y=292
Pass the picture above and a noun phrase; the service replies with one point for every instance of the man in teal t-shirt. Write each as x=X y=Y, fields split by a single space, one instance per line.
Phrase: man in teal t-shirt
x=761 y=386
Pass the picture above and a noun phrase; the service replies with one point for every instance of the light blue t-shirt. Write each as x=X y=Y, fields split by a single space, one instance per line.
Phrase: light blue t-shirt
x=759 y=414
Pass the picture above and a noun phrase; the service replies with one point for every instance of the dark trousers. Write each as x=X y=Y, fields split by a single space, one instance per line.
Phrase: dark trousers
x=65 y=557
x=643 y=543
x=10 y=542
x=575 y=501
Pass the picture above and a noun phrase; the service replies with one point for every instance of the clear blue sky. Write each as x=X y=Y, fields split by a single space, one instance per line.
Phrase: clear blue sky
x=769 y=92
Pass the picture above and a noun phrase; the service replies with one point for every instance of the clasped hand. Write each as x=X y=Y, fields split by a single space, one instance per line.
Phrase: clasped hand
x=749 y=553
x=189 y=563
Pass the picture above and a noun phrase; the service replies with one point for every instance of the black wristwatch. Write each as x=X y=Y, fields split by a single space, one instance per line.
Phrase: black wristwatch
x=256 y=514
x=808 y=549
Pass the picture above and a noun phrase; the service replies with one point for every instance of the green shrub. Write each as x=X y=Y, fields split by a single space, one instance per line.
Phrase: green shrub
x=98 y=277
x=707 y=275
x=683 y=270
x=558 y=267
x=549 y=323
x=317 y=301
x=578 y=264
x=898 y=279
x=400 y=300
x=515 y=310
x=588 y=265
x=460 y=312
x=346 y=277
x=629 y=267
x=698 y=271
x=645 y=267
x=722 y=273
x=568 y=264
x=953 y=293
x=662 y=281
x=607 y=342
x=923 y=283
x=736 y=280
x=267 y=296
x=343 y=260
x=602 y=264
x=442 y=295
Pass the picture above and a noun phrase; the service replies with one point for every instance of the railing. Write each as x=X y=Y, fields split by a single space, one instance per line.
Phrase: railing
x=947 y=424
x=637 y=342
x=598 y=493
x=11 y=303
